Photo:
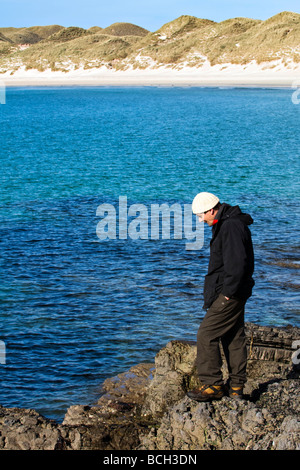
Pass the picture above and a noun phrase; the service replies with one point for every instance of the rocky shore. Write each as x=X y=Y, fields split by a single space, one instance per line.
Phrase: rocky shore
x=146 y=408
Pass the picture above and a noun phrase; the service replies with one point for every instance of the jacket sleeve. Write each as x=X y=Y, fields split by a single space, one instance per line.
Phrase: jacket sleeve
x=234 y=257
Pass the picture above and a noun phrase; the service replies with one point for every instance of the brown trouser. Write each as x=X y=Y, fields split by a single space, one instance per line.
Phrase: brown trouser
x=223 y=321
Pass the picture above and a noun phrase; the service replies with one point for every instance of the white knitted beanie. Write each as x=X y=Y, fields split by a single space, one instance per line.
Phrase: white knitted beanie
x=204 y=202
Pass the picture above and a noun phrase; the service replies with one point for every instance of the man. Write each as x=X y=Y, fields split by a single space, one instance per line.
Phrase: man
x=228 y=284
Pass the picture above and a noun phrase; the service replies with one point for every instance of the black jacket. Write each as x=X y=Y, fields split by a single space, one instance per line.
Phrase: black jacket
x=231 y=262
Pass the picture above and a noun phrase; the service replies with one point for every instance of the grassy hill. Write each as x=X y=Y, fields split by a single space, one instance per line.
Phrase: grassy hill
x=30 y=35
x=185 y=40
x=125 y=29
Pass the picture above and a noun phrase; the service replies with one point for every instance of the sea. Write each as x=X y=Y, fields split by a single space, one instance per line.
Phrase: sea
x=77 y=306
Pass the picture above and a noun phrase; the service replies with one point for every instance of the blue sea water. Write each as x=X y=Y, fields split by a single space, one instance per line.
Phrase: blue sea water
x=76 y=309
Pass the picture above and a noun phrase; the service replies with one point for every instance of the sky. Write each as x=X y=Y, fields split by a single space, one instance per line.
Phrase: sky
x=149 y=14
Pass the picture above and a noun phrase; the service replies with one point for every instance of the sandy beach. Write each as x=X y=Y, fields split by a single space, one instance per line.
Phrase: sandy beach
x=273 y=74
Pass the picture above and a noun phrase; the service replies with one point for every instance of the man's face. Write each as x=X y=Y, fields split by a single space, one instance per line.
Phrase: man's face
x=207 y=217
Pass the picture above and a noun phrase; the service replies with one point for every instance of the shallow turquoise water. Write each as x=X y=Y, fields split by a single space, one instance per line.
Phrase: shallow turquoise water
x=74 y=309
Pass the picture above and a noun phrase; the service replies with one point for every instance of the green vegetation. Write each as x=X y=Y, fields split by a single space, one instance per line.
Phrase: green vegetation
x=186 y=40
x=125 y=29
x=67 y=34
x=30 y=35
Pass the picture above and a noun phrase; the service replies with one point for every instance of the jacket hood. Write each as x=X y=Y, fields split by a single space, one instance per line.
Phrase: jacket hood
x=226 y=211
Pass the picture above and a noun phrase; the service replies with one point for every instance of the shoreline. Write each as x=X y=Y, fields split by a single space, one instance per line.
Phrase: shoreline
x=75 y=84
x=273 y=75
x=146 y=407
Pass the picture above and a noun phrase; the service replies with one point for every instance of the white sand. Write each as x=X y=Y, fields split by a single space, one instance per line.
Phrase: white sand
x=273 y=74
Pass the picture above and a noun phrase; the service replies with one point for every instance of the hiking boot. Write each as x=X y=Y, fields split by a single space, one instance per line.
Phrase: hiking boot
x=206 y=393
x=236 y=392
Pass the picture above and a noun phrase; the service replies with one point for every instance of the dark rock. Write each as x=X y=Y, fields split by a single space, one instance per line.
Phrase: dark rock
x=146 y=408
x=22 y=429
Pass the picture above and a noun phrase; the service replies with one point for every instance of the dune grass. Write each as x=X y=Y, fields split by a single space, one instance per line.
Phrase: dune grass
x=186 y=40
